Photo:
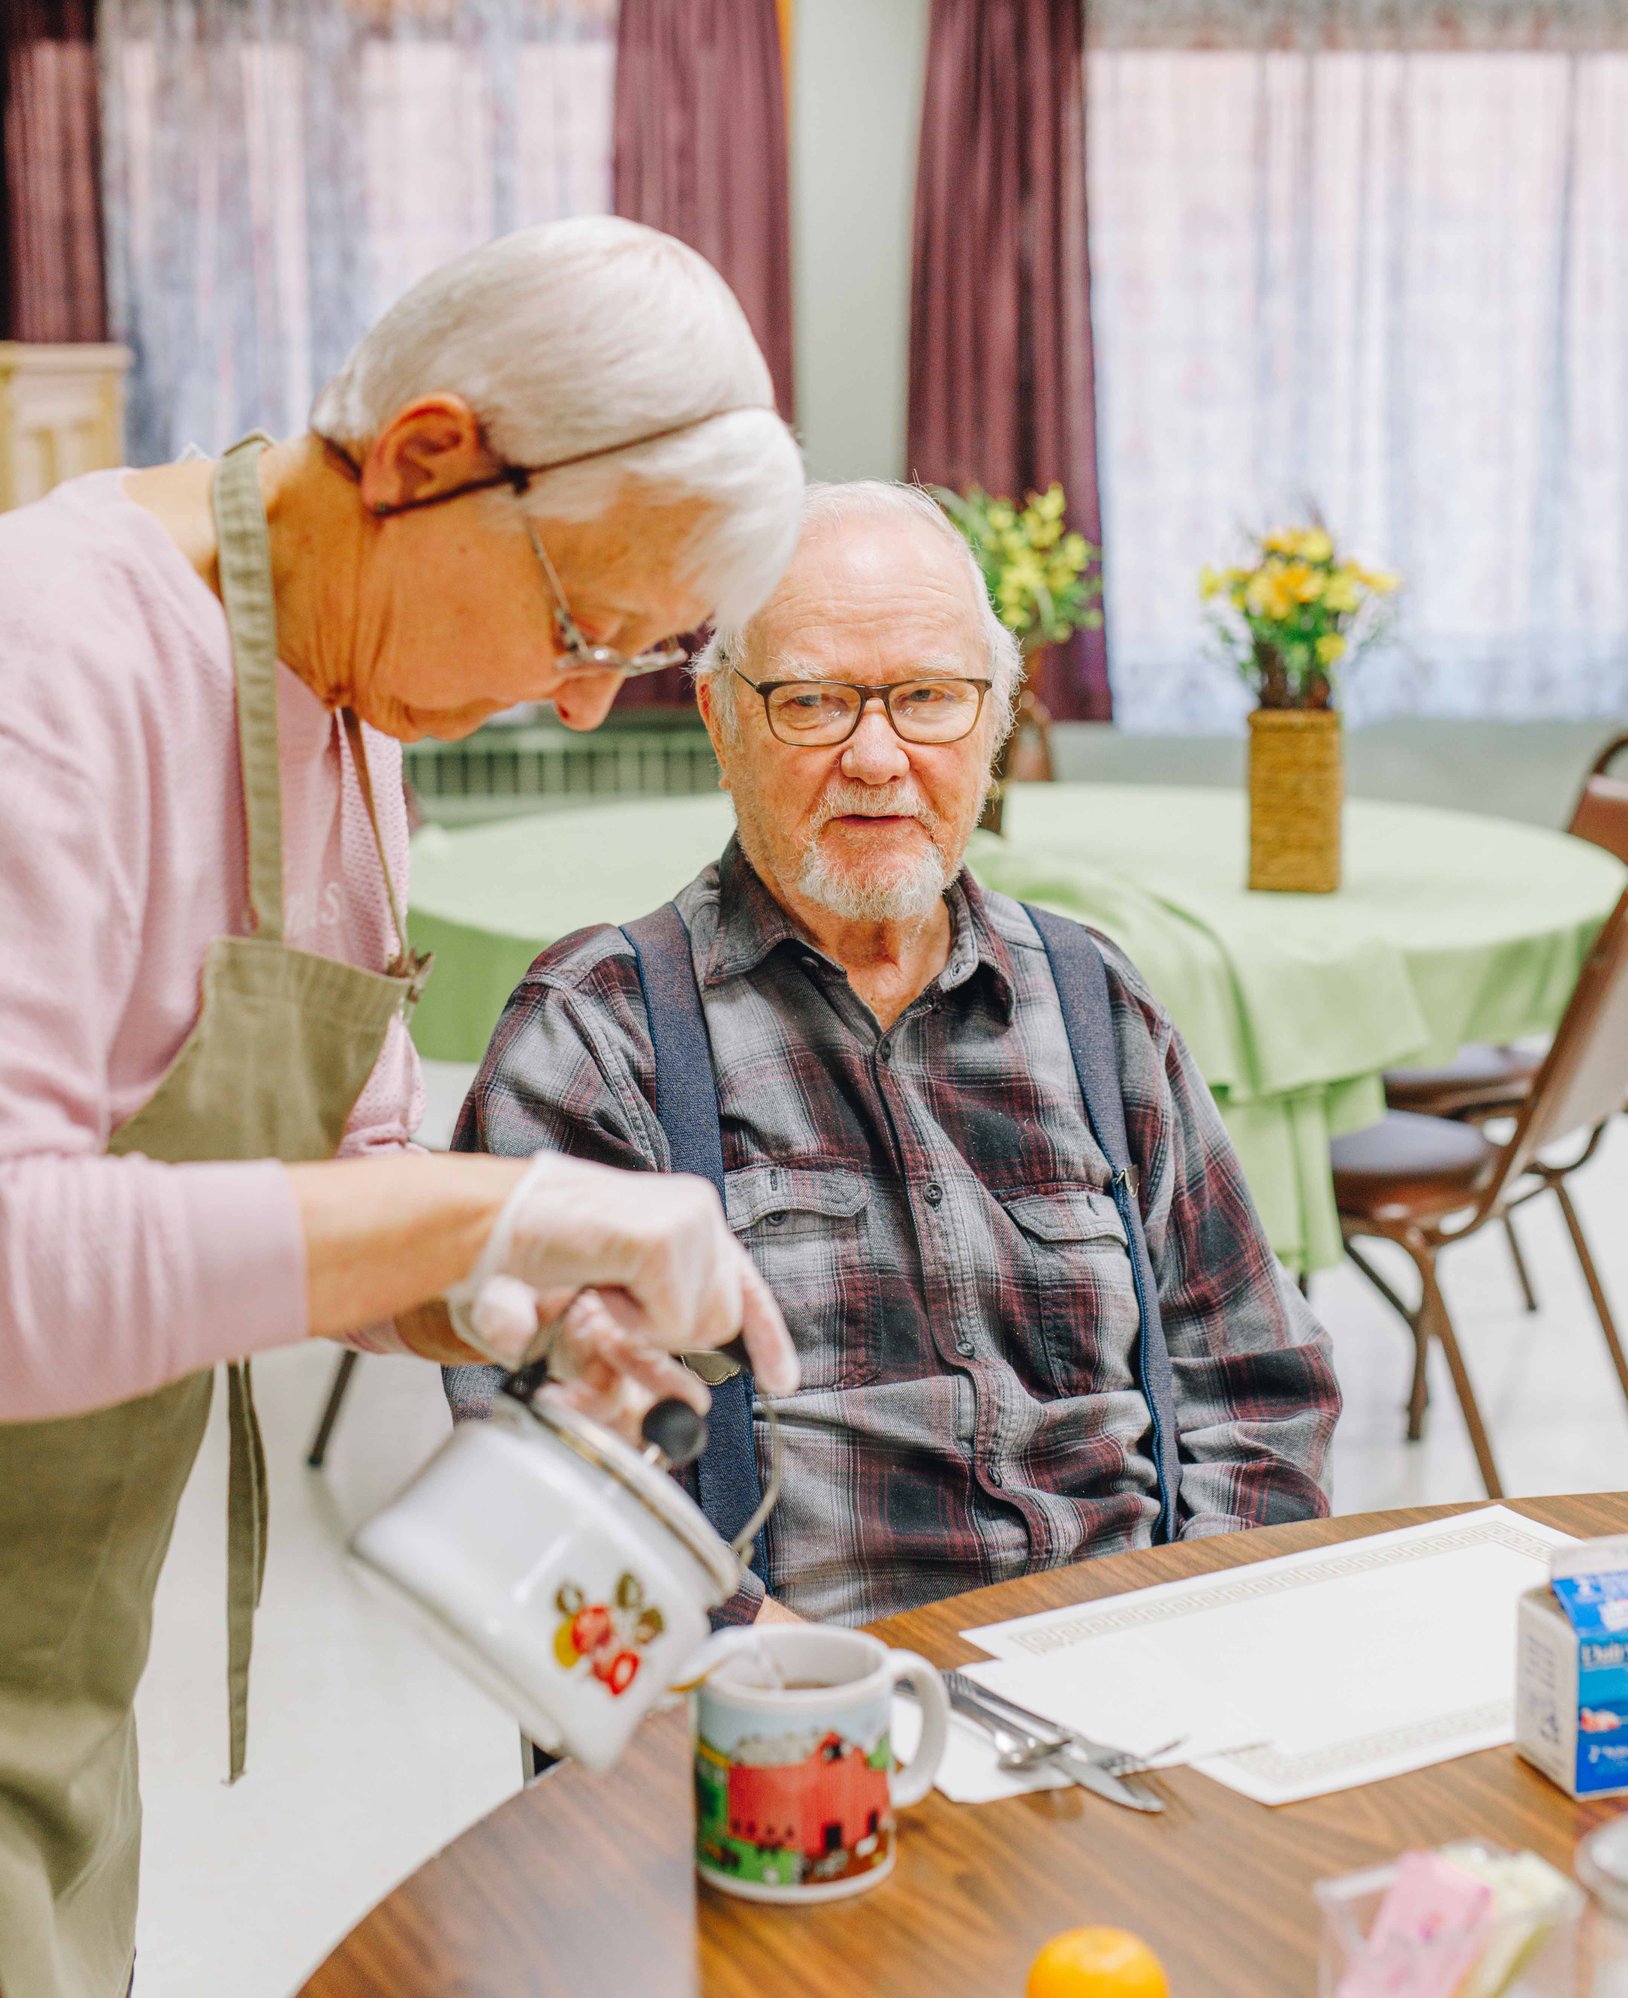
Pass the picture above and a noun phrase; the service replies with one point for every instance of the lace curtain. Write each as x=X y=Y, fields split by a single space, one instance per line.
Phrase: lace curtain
x=277 y=171
x=1368 y=258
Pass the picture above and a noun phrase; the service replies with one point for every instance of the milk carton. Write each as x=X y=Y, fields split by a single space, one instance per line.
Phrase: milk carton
x=1571 y=1670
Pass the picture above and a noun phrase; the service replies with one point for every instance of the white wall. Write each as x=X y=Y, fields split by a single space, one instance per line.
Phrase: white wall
x=855 y=114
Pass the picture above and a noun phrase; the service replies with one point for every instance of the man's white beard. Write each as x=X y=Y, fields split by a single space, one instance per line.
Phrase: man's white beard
x=906 y=893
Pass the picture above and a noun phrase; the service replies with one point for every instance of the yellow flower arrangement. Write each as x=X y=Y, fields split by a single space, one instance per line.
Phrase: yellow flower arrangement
x=1291 y=616
x=1040 y=576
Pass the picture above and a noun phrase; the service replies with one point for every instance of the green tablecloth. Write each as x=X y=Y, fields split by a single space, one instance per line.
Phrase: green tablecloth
x=1450 y=928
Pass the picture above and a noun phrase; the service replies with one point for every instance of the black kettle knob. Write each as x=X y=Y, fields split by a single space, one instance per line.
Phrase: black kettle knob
x=677 y=1431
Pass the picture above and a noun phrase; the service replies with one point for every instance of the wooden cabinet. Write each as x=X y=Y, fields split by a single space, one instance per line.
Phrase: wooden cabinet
x=61 y=413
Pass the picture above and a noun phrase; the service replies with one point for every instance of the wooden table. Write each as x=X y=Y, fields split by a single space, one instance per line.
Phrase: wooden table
x=582 y=1884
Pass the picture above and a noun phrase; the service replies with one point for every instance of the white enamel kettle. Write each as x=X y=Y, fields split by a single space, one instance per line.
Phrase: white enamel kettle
x=562 y=1569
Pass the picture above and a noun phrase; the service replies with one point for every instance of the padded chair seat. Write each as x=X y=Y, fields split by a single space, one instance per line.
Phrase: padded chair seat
x=1478 y=1078
x=1409 y=1168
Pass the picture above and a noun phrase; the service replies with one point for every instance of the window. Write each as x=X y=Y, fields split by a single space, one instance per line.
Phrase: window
x=271 y=188
x=1386 y=282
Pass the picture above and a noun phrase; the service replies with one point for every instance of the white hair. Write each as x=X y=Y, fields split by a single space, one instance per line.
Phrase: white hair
x=575 y=335
x=860 y=500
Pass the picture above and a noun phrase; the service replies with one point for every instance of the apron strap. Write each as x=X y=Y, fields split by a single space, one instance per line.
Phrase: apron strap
x=246 y=1514
x=358 y=757
x=408 y=964
x=251 y=621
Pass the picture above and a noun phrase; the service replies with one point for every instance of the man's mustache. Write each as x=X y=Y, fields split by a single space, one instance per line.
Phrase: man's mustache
x=854 y=801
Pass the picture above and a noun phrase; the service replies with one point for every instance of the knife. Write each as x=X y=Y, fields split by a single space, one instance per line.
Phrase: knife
x=1092 y=1776
x=1037 y=1744
x=1115 y=1761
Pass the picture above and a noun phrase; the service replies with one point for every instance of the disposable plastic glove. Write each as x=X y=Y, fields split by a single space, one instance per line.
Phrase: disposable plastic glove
x=658 y=1239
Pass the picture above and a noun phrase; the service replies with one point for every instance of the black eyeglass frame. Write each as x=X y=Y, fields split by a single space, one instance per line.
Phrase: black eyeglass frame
x=578 y=654
x=866 y=695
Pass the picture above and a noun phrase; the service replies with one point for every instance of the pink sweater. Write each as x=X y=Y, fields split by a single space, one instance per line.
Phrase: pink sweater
x=122 y=854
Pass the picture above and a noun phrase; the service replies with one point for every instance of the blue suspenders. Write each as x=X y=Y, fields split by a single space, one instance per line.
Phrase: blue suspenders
x=1081 y=979
x=726 y=1476
x=687 y=1110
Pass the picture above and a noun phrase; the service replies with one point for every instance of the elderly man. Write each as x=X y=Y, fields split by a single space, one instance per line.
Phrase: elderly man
x=901 y=1063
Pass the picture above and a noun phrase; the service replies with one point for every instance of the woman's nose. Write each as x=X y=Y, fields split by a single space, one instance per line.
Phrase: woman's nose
x=582 y=700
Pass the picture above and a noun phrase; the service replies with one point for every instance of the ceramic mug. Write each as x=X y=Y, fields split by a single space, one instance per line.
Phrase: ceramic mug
x=795 y=1778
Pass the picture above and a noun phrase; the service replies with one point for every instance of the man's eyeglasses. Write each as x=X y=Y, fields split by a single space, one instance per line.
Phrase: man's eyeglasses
x=579 y=655
x=817 y=714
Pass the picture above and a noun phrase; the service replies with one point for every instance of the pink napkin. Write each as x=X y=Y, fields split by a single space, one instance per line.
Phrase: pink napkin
x=1431 y=1928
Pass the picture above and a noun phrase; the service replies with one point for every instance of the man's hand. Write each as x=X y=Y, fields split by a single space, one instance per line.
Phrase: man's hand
x=772 y=1612
x=633 y=1266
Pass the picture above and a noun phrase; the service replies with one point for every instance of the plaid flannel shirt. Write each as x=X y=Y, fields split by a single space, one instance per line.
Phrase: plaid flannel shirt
x=931 y=1210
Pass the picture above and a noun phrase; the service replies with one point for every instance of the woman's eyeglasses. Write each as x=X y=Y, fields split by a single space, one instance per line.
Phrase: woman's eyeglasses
x=579 y=655
x=817 y=714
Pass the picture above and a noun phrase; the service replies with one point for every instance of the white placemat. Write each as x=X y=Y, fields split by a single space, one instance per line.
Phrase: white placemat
x=1345 y=1664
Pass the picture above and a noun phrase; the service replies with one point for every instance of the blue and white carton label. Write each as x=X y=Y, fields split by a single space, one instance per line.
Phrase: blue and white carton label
x=1571 y=1670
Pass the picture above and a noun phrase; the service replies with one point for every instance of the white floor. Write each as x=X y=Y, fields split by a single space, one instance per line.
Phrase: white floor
x=366 y=1753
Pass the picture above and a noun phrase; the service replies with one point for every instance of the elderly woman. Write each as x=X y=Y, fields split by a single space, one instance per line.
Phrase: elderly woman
x=542 y=462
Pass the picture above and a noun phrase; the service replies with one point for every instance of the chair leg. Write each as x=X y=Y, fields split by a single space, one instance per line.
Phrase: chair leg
x=1596 y=1289
x=1419 y=1398
x=1419 y=1395
x=331 y=1408
x=1433 y=1314
x=1522 y=1275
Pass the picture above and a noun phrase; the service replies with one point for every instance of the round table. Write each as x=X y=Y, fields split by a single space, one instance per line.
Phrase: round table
x=1449 y=928
x=583 y=1883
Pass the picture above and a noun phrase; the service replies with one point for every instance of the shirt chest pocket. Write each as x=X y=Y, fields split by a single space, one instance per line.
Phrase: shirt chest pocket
x=1079 y=1314
x=807 y=1229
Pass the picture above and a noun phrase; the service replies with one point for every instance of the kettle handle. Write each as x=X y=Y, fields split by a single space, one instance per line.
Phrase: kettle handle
x=525 y=1383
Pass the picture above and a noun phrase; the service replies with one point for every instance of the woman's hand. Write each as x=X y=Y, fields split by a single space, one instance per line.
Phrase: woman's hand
x=655 y=1247
x=624 y=1269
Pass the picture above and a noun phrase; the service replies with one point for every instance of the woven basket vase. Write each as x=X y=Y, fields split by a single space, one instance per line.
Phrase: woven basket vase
x=1296 y=789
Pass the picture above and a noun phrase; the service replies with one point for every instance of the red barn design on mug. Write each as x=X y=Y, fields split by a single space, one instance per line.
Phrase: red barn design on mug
x=830 y=1802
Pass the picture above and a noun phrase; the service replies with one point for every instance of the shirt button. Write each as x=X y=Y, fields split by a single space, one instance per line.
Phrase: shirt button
x=885 y=1051
x=963 y=1346
x=934 y=1192
x=775 y=1220
x=995 y=1477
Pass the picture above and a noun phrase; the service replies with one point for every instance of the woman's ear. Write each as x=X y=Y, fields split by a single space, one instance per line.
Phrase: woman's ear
x=432 y=447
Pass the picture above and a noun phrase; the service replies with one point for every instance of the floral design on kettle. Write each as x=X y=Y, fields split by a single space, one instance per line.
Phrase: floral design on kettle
x=607 y=1637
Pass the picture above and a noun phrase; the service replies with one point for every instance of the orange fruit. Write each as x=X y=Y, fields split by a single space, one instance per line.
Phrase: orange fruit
x=1096 y=1963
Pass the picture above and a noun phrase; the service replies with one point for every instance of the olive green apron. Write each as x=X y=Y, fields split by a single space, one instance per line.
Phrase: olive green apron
x=283 y=1044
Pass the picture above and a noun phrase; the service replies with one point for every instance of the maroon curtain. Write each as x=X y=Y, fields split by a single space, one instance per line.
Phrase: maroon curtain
x=52 y=212
x=1002 y=378
x=700 y=151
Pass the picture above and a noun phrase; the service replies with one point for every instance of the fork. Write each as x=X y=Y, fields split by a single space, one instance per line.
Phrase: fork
x=1020 y=1750
x=1040 y=1738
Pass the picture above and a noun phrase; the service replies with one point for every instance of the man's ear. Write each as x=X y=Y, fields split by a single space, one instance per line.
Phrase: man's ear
x=432 y=446
x=706 y=699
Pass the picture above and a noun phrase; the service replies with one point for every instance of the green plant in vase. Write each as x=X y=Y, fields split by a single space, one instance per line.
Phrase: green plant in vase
x=1044 y=582
x=1290 y=620
x=1297 y=616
